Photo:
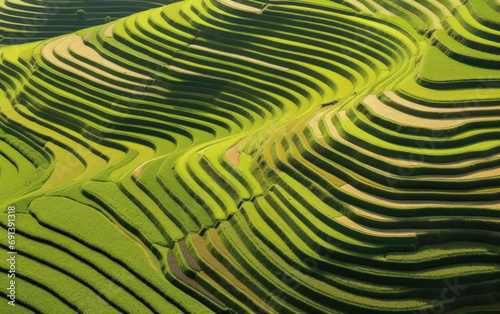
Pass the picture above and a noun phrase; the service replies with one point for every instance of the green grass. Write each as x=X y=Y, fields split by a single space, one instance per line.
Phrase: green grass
x=350 y=191
x=437 y=68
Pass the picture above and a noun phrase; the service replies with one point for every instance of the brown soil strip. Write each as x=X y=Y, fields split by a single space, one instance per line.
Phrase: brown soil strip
x=86 y=51
x=237 y=56
x=493 y=306
x=109 y=31
x=214 y=235
x=380 y=8
x=181 y=70
x=436 y=21
x=344 y=220
x=343 y=115
x=314 y=126
x=459 y=109
x=138 y=170
x=441 y=6
x=383 y=110
x=385 y=218
x=150 y=259
x=177 y=272
x=484 y=173
x=61 y=46
x=335 y=134
x=412 y=204
x=201 y=248
x=216 y=285
x=361 y=7
x=372 y=215
x=478 y=174
x=188 y=257
x=404 y=162
x=295 y=151
x=232 y=154
x=240 y=6
x=148 y=253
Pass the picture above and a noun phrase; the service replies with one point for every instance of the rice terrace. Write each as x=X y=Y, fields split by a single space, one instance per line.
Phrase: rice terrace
x=250 y=156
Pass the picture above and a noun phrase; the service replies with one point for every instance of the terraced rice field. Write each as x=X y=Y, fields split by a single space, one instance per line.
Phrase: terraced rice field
x=252 y=156
x=24 y=21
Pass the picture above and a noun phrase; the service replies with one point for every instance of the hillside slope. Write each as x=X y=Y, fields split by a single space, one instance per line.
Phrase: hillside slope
x=280 y=156
x=23 y=21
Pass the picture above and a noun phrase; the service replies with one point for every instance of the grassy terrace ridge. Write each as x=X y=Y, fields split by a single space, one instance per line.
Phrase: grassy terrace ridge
x=33 y=20
x=247 y=156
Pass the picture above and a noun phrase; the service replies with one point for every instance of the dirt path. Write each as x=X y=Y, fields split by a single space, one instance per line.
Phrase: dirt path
x=314 y=126
x=344 y=220
x=232 y=154
x=412 y=203
x=138 y=170
x=109 y=31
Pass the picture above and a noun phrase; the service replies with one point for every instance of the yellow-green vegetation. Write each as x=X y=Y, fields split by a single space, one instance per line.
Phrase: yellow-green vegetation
x=30 y=20
x=251 y=156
